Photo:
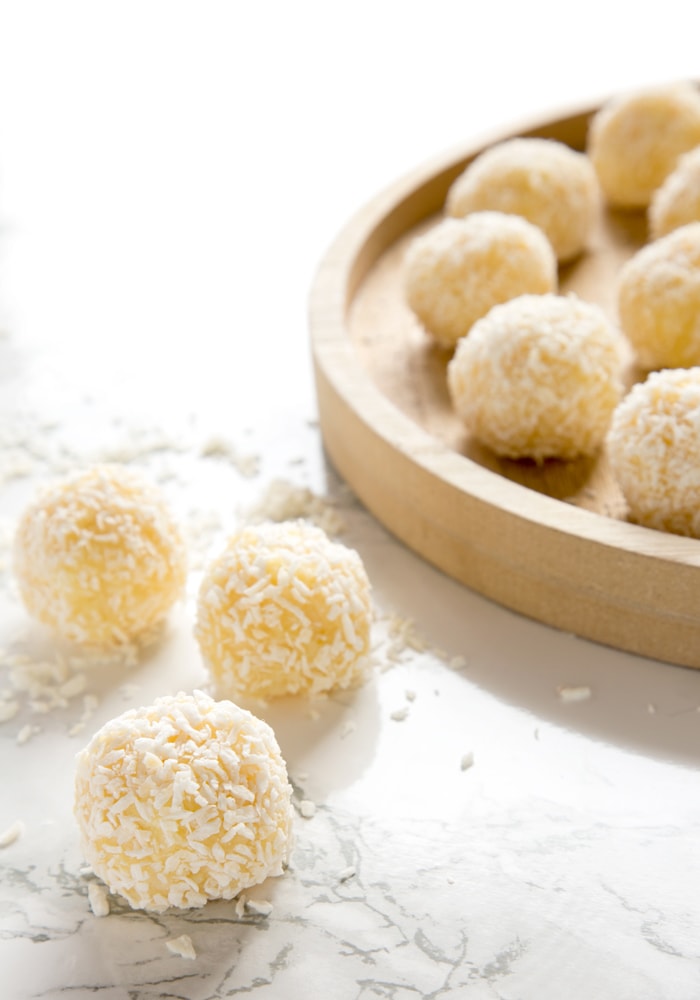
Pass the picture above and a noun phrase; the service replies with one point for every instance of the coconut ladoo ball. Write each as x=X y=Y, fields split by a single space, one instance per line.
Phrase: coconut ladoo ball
x=183 y=801
x=677 y=202
x=635 y=140
x=545 y=181
x=658 y=300
x=283 y=610
x=654 y=450
x=538 y=378
x=99 y=558
x=458 y=270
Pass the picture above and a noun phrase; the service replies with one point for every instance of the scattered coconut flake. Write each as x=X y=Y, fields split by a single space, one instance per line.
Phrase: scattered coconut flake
x=45 y=684
x=221 y=447
x=12 y=833
x=240 y=905
x=74 y=686
x=139 y=443
x=284 y=501
x=26 y=733
x=570 y=693
x=399 y=714
x=651 y=709
x=181 y=946
x=410 y=695
x=467 y=761
x=98 y=899
x=346 y=873
x=260 y=907
x=401 y=639
x=90 y=703
x=307 y=808
x=314 y=714
x=457 y=663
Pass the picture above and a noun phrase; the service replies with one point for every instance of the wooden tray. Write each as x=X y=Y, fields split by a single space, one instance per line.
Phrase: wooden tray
x=552 y=542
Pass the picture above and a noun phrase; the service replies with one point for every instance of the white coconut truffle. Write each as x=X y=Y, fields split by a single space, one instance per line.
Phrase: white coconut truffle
x=462 y=267
x=659 y=300
x=677 y=202
x=99 y=558
x=635 y=140
x=283 y=610
x=183 y=801
x=654 y=450
x=538 y=377
x=542 y=180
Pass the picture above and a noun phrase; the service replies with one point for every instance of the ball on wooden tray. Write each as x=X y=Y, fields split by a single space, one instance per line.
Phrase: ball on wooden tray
x=635 y=140
x=538 y=377
x=183 y=801
x=677 y=202
x=654 y=450
x=283 y=610
x=545 y=181
x=659 y=300
x=458 y=270
x=99 y=558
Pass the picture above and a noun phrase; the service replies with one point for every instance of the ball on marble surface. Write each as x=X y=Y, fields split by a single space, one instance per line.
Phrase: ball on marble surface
x=538 y=377
x=677 y=202
x=99 y=558
x=542 y=180
x=659 y=300
x=654 y=450
x=183 y=801
x=635 y=140
x=283 y=610
x=458 y=270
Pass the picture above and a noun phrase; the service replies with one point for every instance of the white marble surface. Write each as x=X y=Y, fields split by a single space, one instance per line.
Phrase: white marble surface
x=170 y=175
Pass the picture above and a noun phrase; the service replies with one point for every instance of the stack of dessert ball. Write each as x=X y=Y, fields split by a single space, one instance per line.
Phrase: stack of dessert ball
x=188 y=799
x=535 y=374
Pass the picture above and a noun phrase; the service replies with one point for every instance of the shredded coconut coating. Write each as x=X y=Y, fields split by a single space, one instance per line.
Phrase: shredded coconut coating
x=659 y=300
x=677 y=201
x=654 y=450
x=183 y=801
x=283 y=610
x=461 y=268
x=542 y=180
x=538 y=377
x=99 y=558
x=635 y=140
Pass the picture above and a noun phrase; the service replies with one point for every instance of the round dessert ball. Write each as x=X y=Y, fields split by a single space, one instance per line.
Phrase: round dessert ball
x=677 y=201
x=635 y=141
x=462 y=267
x=546 y=182
x=654 y=450
x=283 y=610
x=183 y=801
x=659 y=300
x=99 y=558
x=538 y=377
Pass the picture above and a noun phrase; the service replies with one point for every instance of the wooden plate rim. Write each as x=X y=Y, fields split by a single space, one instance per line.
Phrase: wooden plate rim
x=618 y=569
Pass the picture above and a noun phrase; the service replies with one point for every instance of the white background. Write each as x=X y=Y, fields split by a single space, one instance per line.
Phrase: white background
x=170 y=176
